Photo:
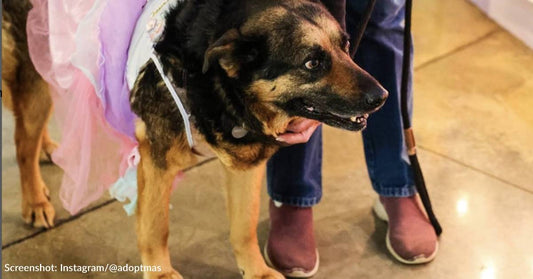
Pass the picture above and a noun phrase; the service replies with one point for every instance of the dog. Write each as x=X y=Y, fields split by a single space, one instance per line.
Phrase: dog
x=253 y=64
x=27 y=95
x=248 y=66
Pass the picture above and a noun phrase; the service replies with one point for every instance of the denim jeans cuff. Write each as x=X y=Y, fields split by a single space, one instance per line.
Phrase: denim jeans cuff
x=395 y=191
x=295 y=201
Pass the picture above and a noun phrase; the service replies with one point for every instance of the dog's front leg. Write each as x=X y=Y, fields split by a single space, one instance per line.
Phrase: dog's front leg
x=243 y=190
x=154 y=185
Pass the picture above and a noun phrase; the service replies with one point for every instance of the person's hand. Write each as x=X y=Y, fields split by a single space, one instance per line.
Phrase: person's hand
x=298 y=131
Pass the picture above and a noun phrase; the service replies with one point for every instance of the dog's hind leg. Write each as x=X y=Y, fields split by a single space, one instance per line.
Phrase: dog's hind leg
x=243 y=191
x=30 y=100
x=32 y=104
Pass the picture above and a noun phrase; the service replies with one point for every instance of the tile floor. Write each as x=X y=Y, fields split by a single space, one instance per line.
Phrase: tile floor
x=474 y=125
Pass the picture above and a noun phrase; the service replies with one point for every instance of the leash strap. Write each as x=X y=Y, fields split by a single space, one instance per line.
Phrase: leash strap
x=184 y=115
x=408 y=131
x=361 y=27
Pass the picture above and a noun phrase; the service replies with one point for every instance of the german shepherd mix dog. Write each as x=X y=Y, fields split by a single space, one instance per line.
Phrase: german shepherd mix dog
x=27 y=95
x=243 y=63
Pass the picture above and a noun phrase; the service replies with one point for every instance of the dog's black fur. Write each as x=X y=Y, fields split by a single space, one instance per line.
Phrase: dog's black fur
x=189 y=29
x=252 y=63
x=219 y=102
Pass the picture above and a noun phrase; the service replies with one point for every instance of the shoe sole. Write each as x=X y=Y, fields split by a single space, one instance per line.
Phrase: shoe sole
x=296 y=273
x=380 y=212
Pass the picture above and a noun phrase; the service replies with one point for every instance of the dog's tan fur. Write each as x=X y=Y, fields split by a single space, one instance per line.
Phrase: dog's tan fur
x=154 y=185
x=27 y=95
x=164 y=151
x=243 y=184
x=243 y=173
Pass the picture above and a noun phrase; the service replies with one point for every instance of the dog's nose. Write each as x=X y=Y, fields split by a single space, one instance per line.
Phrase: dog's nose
x=373 y=94
x=376 y=96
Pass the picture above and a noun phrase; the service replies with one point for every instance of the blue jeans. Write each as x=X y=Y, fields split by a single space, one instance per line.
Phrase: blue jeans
x=294 y=174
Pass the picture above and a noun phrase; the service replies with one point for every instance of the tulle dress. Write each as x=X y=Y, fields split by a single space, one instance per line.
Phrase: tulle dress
x=81 y=48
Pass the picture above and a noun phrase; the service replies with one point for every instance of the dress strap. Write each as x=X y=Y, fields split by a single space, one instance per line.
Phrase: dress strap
x=184 y=115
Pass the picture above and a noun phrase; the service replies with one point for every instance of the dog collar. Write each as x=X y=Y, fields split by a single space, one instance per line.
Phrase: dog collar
x=237 y=132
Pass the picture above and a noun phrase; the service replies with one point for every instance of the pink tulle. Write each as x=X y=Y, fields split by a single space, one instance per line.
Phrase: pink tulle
x=65 y=47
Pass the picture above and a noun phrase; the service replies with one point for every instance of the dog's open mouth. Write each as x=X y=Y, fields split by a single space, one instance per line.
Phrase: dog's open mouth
x=348 y=121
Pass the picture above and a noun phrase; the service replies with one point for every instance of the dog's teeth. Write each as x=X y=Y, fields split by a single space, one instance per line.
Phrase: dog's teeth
x=310 y=108
x=353 y=119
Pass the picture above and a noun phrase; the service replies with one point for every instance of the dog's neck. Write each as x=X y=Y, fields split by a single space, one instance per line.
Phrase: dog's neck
x=217 y=102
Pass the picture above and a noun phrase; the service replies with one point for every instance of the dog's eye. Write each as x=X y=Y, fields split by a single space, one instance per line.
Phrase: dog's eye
x=312 y=64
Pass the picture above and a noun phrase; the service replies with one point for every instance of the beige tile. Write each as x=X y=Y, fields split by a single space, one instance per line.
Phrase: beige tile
x=474 y=107
x=13 y=227
x=198 y=241
x=487 y=226
x=442 y=26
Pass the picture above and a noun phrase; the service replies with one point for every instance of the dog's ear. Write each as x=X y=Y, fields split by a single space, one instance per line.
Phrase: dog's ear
x=223 y=51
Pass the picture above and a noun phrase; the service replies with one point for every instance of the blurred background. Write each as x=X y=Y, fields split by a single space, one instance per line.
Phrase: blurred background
x=473 y=119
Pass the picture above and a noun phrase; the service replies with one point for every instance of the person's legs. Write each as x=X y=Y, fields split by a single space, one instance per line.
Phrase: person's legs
x=410 y=238
x=380 y=54
x=294 y=173
x=294 y=181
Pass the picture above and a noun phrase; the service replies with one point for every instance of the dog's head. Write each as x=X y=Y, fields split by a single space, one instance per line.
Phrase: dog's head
x=292 y=60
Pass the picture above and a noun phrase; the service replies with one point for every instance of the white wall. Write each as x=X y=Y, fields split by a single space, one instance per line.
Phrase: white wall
x=514 y=15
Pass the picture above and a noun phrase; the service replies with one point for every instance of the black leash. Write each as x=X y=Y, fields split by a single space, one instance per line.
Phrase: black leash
x=408 y=130
x=356 y=40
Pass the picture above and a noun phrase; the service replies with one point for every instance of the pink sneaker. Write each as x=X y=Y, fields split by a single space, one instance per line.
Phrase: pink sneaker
x=291 y=248
x=411 y=238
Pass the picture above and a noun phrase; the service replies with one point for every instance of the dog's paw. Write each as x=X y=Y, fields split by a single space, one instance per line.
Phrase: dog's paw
x=39 y=212
x=272 y=274
x=172 y=274
x=268 y=273
x=39 y=215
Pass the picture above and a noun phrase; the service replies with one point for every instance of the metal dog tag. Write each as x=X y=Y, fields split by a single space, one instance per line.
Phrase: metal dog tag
x=239 y=132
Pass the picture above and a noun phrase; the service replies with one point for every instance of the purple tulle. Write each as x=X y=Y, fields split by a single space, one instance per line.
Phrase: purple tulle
x=80 y=47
